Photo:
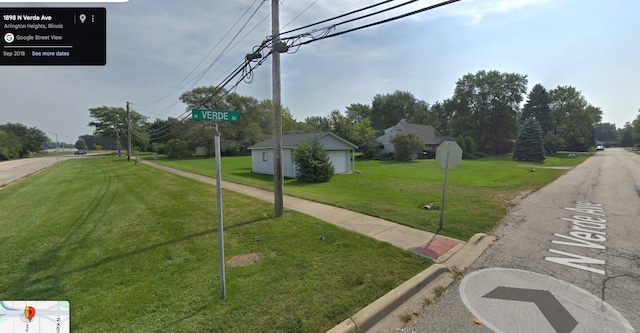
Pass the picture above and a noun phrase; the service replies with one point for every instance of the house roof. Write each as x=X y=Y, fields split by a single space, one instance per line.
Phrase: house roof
x=427 y=134
x=292 y=140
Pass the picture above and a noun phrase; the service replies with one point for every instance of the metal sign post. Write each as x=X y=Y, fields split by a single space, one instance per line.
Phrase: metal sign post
x=223 y=290
x=218 y=116
x=448 y=155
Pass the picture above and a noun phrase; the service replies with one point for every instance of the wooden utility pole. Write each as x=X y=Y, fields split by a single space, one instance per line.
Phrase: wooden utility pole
x=128 y=133
x=278 y=180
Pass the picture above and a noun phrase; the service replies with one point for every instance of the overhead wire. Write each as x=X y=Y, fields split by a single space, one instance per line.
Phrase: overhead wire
x=315 y=39
x=178 y=85
x=245 y=70
x=337 y=17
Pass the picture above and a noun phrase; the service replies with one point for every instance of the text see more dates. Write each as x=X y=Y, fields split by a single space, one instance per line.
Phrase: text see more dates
x=53 y=36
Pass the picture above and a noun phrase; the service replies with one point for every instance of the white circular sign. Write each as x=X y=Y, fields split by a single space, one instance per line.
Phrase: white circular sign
x=512 y=300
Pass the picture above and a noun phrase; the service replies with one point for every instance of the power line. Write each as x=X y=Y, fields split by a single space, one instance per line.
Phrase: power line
x=198 y=77
x=337 y=17
x=315 y=39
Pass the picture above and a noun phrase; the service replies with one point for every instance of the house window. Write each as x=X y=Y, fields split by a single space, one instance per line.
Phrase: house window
x=265 y=156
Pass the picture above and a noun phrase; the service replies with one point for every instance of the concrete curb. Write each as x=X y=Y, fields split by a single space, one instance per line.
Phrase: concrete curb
x=383 y=314
x=383 y=306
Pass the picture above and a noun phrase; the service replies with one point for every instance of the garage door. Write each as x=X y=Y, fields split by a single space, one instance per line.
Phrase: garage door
x=340 y=160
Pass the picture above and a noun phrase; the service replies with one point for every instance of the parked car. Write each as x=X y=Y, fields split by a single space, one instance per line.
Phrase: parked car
x=600 y=147
x=81 y=152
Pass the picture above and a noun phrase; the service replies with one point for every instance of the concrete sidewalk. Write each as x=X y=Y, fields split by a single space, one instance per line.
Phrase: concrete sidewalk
x=436 y=247
x=383 y=315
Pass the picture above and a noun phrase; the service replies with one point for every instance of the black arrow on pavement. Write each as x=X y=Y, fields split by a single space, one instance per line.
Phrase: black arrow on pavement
x=559 y=318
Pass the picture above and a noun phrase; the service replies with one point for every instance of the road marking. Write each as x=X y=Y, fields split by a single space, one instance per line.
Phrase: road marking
x=586 y=232
x=561 y=320
x=512 y=300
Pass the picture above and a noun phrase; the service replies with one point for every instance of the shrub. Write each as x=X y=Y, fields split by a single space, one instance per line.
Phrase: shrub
x=406 y=145
x=177 y=148
x=312 y=162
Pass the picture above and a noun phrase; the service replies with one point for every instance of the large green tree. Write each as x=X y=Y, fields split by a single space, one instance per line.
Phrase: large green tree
x=9 y=147
x=357 y=112
x=112 y=122
x=575 y=118
x=256 y=120
x=537 y=107
x=487 y=107
x=388 y=109
x=626 y=135
x=23 y=140
x=606 y=132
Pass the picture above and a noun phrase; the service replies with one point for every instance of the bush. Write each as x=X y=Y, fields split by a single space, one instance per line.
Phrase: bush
x=471 y=145
x=157 y=147
x=177 y=148
x=406 y=145
x=312 y=162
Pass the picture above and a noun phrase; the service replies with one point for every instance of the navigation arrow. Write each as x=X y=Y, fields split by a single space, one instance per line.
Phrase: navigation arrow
x=561 y=320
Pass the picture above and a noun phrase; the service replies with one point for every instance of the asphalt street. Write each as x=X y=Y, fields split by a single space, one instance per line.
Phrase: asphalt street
x=11 y=171
x=567 y=259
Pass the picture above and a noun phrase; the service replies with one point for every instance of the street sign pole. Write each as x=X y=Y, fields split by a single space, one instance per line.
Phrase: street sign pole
x=444 y=186
x=223 y=291
x=448 y=155
x=218 y=116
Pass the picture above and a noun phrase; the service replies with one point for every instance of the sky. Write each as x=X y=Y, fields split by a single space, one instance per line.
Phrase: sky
x=158 y=49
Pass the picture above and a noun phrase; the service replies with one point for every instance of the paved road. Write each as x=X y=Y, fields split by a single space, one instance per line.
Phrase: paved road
x=11 y=171
x=567 y=259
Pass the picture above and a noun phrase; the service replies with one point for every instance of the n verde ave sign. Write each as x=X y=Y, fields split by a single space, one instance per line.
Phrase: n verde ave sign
x=215 y=115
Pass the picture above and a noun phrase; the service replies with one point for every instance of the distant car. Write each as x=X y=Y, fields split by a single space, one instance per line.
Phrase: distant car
x=600 y=147
x=81 y=152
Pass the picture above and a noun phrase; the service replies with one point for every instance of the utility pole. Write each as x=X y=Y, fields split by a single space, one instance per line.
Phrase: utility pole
x=278 y=180
x=128 y=133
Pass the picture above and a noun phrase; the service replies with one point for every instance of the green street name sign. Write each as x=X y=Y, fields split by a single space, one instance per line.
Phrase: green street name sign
x=215 y=115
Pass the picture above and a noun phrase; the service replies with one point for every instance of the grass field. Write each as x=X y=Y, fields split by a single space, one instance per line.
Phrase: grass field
x=478 y=191
x=134 y=249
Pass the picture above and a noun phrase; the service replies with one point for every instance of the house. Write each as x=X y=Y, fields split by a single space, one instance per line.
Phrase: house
x=339 y=150
x=429 y=135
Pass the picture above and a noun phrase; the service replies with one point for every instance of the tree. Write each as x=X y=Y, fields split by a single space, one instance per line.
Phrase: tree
x=317 y=123
x=486 y=108
x=575 y=118
x=553 y=143
x=357 y=112
x=626 y=135
x=387 y=110
x=312 y=162
x=406 y=145
x=112 y=122
x=537 y=107
x=636 y=129
x=443 y=113
x=9 y=148
x=24 y=140
x=606 y=132
x=81 y=144
x=530 y=144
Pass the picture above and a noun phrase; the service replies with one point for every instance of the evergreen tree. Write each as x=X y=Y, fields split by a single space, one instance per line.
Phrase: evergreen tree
x=530 y=143
x=537 y=107
x=312 y=162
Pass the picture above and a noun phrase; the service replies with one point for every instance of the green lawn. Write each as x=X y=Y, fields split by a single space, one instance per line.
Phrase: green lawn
x=478 y=191
x=135 y=249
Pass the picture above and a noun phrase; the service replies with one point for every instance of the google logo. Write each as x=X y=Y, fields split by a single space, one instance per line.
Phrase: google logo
x=8 y=37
